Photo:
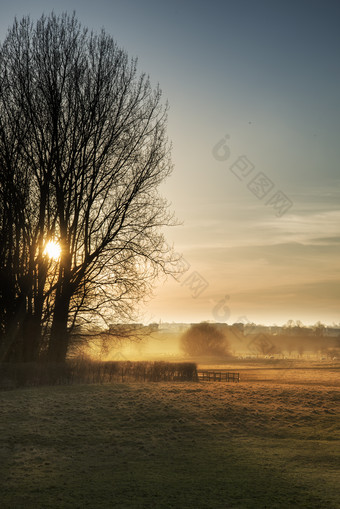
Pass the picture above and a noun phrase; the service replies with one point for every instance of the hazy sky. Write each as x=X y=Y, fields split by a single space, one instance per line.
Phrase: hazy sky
x=260 y=216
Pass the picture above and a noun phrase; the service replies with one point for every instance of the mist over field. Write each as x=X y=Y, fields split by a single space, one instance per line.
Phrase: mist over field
x=169 y=254
x=154 y=421
x=219 y=342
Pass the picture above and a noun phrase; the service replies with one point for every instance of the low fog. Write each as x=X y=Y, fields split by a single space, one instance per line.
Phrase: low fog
x=203 y=342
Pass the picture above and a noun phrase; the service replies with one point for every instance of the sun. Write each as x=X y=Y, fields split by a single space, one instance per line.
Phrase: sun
x=52 y=250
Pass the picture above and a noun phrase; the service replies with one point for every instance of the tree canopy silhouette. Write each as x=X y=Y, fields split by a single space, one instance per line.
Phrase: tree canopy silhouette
x=83 y=149
x=205 y=340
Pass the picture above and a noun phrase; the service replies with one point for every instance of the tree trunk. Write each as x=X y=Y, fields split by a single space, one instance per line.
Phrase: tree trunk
x=59 y=339
x=31 y=338
x=11 y=348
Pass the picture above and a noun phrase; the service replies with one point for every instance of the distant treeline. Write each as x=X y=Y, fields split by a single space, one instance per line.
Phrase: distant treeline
x=220 y=340
x=79 y=371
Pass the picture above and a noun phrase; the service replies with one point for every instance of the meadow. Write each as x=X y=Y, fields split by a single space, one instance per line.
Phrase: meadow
x=267 y=442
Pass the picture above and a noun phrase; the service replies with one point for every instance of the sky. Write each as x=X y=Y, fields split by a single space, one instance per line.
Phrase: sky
x=254 y=119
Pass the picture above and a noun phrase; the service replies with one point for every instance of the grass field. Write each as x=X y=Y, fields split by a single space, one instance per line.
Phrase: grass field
x=256 y=444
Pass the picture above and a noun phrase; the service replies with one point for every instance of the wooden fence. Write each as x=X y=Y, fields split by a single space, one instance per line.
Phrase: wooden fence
x=218 y=376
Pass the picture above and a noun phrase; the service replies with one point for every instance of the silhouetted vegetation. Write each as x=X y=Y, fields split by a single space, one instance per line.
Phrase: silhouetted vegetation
x=83 y=149
x=205 y=340
x=84 y=371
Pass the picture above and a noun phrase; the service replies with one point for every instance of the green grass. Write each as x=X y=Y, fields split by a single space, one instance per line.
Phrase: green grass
x=169 y=445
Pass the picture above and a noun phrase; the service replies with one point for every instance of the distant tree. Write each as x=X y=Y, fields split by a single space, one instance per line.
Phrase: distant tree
x=289 y=324
x=205 y=340
x=83 y=150
x=319 y=329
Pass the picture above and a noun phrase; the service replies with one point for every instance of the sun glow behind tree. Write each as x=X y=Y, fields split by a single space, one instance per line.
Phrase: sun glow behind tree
x=52 y=250
x=88 y=145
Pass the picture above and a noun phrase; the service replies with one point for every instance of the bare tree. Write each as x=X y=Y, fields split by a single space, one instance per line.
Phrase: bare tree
x=22 y=268
x=90 y=137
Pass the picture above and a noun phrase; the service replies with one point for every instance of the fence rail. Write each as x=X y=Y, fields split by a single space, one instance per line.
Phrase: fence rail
x=218 y=376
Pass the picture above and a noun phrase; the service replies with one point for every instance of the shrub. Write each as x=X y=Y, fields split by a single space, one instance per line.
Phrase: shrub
x=85 y=371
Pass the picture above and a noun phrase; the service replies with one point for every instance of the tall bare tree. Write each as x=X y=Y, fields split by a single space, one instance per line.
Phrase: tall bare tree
x=87 y=138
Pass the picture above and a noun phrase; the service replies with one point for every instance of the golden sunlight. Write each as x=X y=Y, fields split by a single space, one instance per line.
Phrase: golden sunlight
x=52 y=250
